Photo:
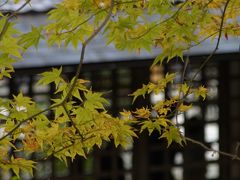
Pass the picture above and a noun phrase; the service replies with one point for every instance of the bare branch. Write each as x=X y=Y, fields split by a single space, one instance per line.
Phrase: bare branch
x=1 y=5
x=233 y=156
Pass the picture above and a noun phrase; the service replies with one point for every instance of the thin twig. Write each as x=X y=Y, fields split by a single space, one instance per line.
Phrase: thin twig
x=81 y=23
x=73 y=123
x=84 y=44
x=186 y=62
x=98 y=12
x=6 y=23
x=1 y=5
x=162 y=22
x=233 y=156
x=27 y=119
x=211 y=55
x=217 y=45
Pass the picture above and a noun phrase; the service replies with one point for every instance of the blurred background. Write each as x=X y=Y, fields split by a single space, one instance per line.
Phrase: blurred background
x=215 y=122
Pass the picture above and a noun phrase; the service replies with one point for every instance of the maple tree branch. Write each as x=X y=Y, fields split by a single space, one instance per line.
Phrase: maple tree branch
x=84 y=44
x=211 y=55
x=199 y=143
x=64 y=147
x=223 y=153
x=90 y=17
x=83 y=22
x=73 y=123
x=27 y=119
x=186 y=62
x=158 y=24
x=70 y=145
x=217 y=45
x=61 y=149
x=6 y=23
x=169 y=18
x=1 y=5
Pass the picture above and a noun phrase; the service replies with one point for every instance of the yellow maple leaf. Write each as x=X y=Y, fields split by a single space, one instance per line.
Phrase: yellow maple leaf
x=184 y=108
x=201 y=91
x=102 y=3
x=71 y=4
x=143 y=113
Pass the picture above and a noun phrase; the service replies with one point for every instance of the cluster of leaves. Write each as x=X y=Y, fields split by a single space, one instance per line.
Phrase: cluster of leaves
x=80 y=120
x=159 y=117
x=14 y=43
x=77 y=126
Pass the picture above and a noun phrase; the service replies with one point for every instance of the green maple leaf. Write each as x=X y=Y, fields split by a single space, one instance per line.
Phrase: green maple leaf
x=140 y=92
x=23 y=101
x=6 y=65
x=9 y=45
x=150 y=126
x=83 y=114
x=79 y=86
x=51 y=76
x=184 y=88
x=59 y=110
x=173 y=134
x=94 y=100
x=122 y=135
x=17 y=164
x=31 y=38
x=159 y=59
x=201 y=91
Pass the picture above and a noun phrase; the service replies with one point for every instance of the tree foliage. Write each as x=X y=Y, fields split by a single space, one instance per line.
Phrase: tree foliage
x=80 y=119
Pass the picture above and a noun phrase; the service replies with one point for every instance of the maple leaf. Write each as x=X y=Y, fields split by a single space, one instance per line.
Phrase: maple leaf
x=163 y=122
x=23 y=101
x=94 y=100
x=173 y=134
x=169 y=77
x=184 y=108
x=184 y=88
x=159 y=59
x=123 y=134
x=140 y=92
x=17 y=164
x=150 y=126
x=31 y=38
x=201 y=91
x=6 y=65
x=83 y=115
x=10 y=46
x=126 y=114
x=51 y=76
x=143 y=113
x=79 y=87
